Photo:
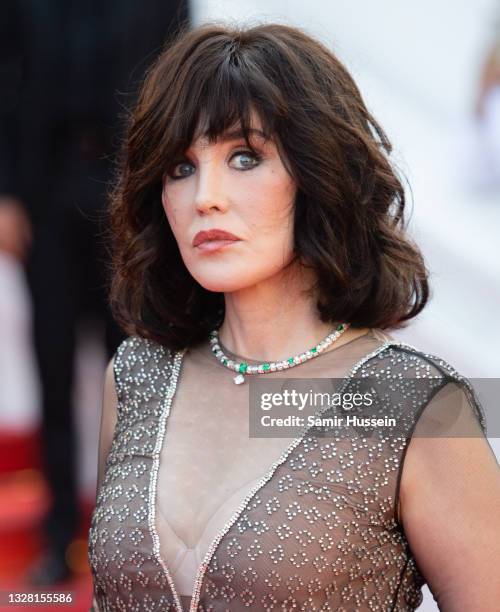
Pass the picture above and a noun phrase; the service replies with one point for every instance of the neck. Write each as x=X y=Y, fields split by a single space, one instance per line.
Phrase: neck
x=274 y=319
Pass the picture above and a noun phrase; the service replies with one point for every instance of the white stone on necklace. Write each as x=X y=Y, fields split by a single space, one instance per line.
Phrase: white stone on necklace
x=272 y=366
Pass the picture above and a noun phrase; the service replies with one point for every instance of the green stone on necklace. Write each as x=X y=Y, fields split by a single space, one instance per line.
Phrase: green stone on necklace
x=272 y=366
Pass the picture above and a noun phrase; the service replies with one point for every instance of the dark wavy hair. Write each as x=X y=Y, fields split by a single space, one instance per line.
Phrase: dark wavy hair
x=349 y=225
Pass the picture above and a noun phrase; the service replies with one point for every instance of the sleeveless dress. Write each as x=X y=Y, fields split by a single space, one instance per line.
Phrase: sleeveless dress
x=193 y=514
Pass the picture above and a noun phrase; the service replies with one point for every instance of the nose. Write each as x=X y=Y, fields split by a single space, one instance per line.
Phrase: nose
x=210 y=195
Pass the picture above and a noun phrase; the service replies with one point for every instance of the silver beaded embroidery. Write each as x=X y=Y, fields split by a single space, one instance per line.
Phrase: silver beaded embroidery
x=323 y=518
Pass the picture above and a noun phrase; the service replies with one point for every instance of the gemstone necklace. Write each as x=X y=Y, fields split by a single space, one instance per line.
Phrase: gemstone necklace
x=272 y=366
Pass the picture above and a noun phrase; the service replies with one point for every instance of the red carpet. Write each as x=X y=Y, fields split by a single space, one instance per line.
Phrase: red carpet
x=23 y=501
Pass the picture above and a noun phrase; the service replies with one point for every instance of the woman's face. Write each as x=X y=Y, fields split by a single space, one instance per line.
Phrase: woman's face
x=225 y=186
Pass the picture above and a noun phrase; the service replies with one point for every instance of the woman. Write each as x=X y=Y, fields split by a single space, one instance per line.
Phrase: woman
x=258 y=227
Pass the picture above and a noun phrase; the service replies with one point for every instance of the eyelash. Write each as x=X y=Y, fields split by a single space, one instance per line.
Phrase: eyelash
x=254 y=154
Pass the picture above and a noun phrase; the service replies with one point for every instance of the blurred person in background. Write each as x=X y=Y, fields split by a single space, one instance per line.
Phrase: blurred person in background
x=483 y=149
x=66 y=66
x=489 y=77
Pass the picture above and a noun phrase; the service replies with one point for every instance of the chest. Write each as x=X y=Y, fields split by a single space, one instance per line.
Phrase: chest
x=316 y=531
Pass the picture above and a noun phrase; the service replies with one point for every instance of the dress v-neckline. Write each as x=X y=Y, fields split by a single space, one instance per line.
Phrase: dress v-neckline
x=214 y=545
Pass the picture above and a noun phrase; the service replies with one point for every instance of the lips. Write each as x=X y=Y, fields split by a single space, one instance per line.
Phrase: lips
x=213 y=235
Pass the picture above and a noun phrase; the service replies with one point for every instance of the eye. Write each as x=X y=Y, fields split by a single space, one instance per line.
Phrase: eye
x=181 y=170
x=246 y=160
x=249 y=159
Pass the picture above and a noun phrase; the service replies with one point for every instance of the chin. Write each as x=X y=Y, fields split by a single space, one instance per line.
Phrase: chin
x=224 y=281
x=219 y=285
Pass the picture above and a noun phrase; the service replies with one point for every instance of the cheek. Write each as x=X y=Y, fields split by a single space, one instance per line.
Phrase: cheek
x=281 y=217
x=170 y=214
x=165 y=200
x=272 y=222
x=271 y=204
x=172 y=207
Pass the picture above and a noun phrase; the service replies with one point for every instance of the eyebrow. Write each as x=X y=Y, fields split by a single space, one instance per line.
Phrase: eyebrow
x=237 y=134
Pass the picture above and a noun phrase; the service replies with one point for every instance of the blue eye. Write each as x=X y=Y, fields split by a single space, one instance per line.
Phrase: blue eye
x=248 y=160
x=254 y=158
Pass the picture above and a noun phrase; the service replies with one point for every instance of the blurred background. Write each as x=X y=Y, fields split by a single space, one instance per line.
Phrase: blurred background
x=429 y=72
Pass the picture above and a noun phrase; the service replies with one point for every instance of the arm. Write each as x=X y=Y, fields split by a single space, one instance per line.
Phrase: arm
x=450 y=511
x=108 y=421
x=108 y=424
